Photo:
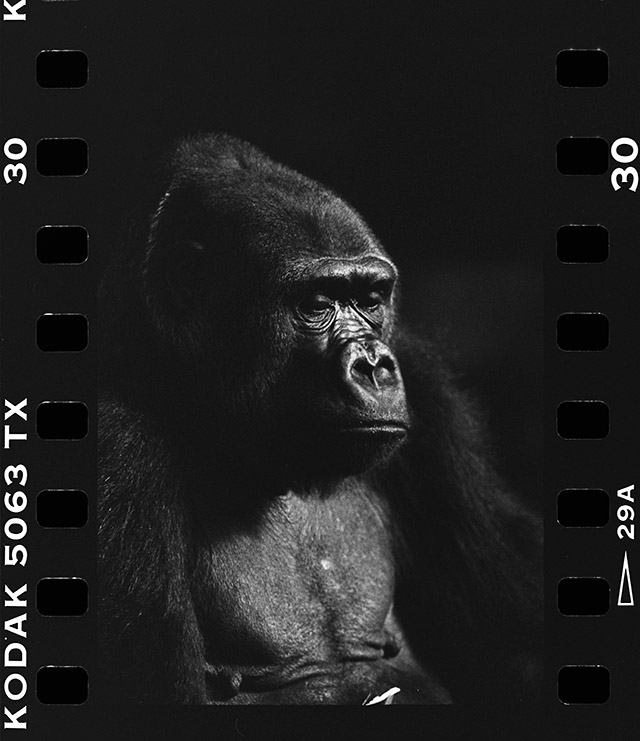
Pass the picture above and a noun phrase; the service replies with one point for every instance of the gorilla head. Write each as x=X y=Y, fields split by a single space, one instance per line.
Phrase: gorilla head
x=278 y=304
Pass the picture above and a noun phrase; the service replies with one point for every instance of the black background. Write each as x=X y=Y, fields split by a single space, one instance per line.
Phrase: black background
x=438 y=122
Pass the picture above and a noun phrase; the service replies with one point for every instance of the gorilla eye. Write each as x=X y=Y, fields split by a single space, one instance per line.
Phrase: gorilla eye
x=316 y=304
x=370 y=301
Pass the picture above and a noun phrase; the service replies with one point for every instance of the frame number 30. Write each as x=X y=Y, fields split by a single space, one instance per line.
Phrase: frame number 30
x=624 y=175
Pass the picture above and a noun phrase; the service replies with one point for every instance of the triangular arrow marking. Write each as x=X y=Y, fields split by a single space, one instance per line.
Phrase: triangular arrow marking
x=625 y=584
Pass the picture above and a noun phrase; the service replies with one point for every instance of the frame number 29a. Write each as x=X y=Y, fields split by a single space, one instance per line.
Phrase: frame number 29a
x=626 y=529
x=627 y=176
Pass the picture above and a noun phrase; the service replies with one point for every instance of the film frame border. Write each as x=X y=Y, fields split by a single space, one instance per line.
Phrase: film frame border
x=34 y=305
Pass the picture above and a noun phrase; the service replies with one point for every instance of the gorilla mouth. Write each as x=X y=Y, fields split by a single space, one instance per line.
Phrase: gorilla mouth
x=382 y=427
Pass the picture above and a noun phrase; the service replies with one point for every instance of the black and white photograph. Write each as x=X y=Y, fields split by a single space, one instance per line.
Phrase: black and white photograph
x=320 y=354
x=303 y=304
x=297 y=503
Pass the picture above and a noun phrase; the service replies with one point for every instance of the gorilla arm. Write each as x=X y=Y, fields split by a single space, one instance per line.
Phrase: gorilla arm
x=152 y=646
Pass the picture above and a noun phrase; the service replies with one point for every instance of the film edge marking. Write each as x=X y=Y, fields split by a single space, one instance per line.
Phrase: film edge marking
x=15 y=502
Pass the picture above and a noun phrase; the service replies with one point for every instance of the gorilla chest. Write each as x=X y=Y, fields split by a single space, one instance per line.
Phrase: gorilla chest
x=314 y=582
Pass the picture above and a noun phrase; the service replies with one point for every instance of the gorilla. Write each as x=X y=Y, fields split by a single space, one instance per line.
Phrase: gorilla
x=296 y=502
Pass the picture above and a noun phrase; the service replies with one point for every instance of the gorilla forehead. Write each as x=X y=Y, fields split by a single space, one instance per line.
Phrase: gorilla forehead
x=271 y=211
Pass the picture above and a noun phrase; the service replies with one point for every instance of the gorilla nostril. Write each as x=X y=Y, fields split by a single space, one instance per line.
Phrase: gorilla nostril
x=383 y=375
x=363 y=368
x=379 y=373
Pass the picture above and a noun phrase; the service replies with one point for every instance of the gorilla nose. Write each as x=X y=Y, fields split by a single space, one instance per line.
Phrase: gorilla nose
x=371 y=365
x=378 y=373
x=372 y=376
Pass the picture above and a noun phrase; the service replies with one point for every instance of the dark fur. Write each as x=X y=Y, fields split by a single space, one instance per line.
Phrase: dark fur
x=171 y=425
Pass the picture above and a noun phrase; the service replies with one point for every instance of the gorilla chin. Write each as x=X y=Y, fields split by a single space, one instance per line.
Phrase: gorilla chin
x=368 y=447
x=349 y=449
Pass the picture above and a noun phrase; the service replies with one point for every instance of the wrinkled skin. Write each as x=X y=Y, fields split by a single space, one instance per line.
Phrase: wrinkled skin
x=295 y=504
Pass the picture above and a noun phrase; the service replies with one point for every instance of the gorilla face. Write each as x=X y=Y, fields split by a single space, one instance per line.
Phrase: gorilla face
x=349 y=393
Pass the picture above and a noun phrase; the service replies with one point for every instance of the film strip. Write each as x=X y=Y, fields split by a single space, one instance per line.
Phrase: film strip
x=55 y=225
x=596 y=417
x=584 y=419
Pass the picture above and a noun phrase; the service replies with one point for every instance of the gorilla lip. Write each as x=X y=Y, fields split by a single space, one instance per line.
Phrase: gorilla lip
x=386 y=428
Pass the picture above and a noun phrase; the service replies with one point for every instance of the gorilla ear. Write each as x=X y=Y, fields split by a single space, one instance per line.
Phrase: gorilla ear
x=184 y=275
